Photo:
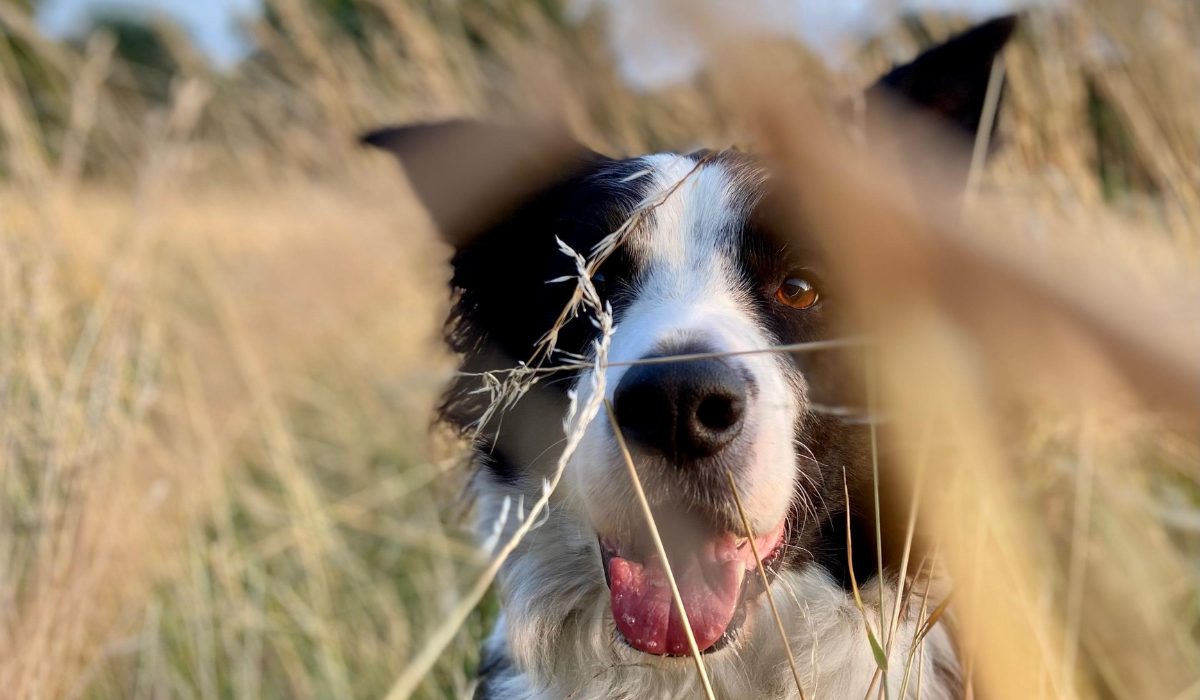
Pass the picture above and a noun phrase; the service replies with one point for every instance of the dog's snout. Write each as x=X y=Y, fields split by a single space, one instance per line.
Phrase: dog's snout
x=684 y=411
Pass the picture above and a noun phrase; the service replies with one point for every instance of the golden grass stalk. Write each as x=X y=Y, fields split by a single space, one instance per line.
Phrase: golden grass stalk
x=923 y=351
x=983 y=135
x=901 y=596
x=762 y=574
x=662 y=552
x=267 y=194
x=917 y=641
x=876 y=649
x=575 y=424
x=601 y=252
x=790 y=348
x=85 y=95
x=869 y=371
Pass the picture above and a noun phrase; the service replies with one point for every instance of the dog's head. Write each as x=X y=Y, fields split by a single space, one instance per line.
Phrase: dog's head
x=709 y=273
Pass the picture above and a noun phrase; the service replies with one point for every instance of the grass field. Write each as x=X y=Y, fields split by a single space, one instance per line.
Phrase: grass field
x=219 y=339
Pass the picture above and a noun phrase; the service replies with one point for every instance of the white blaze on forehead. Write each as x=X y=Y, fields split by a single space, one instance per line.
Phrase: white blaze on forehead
x=694 y=223
x=689 y=282
x=689 y=295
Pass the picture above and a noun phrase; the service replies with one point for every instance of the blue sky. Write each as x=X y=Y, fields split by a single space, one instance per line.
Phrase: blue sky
x=212 y=24
x=652 y=50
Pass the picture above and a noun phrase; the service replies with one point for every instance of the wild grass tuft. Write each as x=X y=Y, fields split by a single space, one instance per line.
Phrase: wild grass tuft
x=219 y=345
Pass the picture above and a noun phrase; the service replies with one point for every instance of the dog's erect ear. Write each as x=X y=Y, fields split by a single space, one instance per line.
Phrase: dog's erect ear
x=470 y=175
x=951 y=80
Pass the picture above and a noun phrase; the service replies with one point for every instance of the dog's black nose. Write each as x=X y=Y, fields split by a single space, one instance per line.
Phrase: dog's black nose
x=683 y=410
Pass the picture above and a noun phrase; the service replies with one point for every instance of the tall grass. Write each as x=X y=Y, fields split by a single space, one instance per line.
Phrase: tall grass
x=219 y=352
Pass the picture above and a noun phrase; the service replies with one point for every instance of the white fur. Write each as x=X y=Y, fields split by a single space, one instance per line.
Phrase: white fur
x=690 y=291
x=559 y=634
x=557 y=629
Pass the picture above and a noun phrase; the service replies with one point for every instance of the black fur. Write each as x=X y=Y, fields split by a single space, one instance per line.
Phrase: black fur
x=493 y=665
x=503 y=306
x=951 y=80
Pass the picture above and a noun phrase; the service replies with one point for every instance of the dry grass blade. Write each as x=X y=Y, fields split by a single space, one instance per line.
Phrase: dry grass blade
x=934 y=617
x=539 y=155
x=575 y=424
x=602 y=250
x=1028 y=313
x=983 y=135
x=874 y=432
x=1077 y=559
x=662 y=552
x=762 y=574
x=909 y=533
x=876 y=649
x=224 y=329
x=917 y=640
x=83 y=107
x=811 y=346
x=985 y=314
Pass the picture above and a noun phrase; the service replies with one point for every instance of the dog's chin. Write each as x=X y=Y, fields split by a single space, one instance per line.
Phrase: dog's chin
x=715 y=573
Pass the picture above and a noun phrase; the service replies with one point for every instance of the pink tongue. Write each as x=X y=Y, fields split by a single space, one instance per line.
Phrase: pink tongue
x=709 y=584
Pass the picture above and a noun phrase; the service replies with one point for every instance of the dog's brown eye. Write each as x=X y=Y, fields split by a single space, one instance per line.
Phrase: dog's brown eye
x=797 y=293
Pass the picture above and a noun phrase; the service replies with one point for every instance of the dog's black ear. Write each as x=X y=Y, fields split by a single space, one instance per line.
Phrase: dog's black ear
x=506 y=197
x=950 y=80
x=471 y=175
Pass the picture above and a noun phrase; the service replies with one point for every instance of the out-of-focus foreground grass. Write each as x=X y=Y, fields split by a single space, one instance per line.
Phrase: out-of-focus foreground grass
x=218 y=327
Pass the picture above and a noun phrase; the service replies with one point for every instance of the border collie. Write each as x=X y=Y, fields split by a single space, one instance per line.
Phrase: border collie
x=586 y=610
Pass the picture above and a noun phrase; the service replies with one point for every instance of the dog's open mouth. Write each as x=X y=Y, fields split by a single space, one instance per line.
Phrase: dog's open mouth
x=716 y=579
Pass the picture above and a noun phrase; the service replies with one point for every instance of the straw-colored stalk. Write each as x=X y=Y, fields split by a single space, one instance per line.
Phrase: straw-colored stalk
x=701 y=671
x=762 y=575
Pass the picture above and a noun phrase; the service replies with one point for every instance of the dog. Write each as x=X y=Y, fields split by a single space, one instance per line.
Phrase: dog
x=586 y=610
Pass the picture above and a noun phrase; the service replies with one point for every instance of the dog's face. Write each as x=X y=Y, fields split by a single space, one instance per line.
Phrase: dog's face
x=699 y=277
x=710 y=271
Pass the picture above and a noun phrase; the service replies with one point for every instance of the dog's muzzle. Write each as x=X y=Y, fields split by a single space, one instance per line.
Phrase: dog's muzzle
x=684 y=420
x=687 y=411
